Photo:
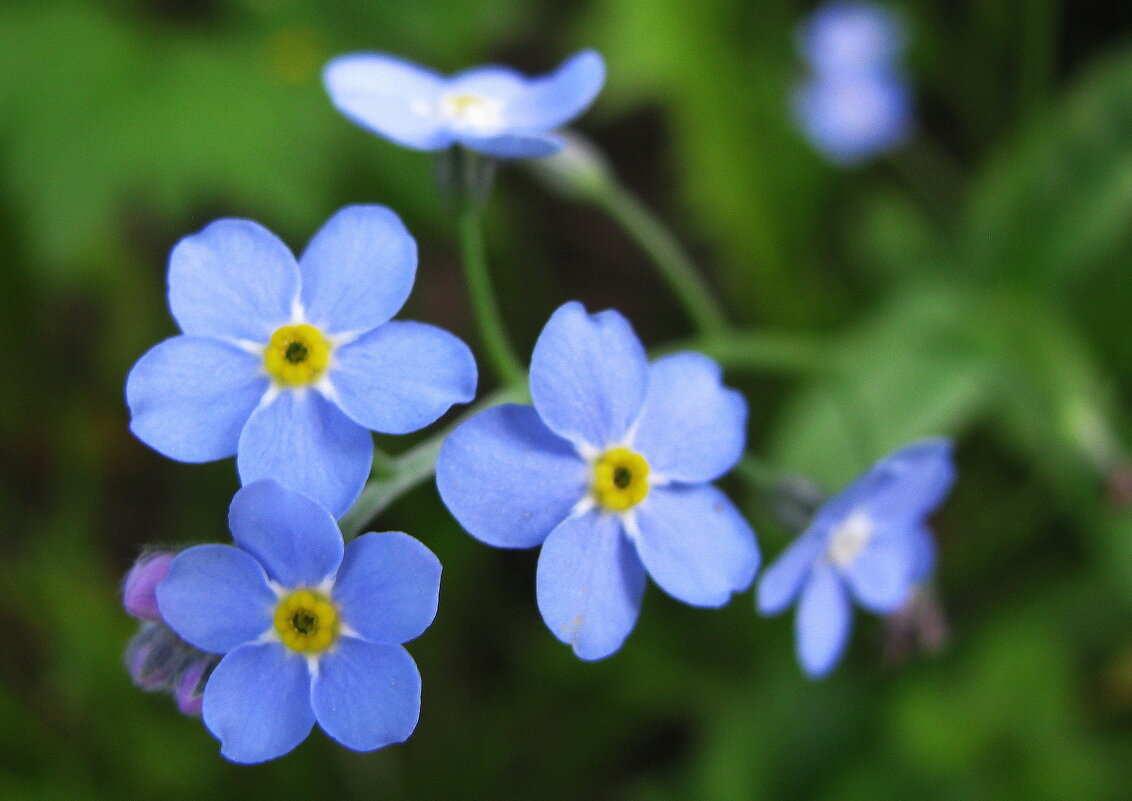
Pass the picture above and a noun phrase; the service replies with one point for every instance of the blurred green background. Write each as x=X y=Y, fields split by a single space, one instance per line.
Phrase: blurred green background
x=975 y=283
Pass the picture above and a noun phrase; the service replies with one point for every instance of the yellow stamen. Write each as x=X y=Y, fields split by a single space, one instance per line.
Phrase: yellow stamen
x=620 y=479
x=307 y=621
x=296 y=354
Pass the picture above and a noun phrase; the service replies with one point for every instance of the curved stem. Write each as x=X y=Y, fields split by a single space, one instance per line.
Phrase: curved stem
x=761 y=351
x=495 y=342
x=665 y=251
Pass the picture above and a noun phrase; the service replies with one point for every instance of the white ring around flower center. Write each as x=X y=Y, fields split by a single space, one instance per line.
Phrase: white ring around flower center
x=472 y=112
x=850 y=538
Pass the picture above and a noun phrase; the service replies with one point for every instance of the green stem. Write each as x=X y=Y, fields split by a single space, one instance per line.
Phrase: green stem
x=506 y=365
x=659 y=243
x=394 y=476
x=761 y=351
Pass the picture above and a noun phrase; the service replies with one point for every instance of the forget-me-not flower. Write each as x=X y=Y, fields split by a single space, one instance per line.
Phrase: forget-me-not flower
x=288 y=364
x=609 y=473
x=493 y=110
x=868 y=544
x=856 y=103
x=310 y=631
x=850 y=37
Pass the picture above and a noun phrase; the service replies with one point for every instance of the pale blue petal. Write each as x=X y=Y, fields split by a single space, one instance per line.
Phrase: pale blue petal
x=387 y=588
x=823 y=621
x=551 y=101
x=233 y=279
x=257 y=703
x=402 y=376
x=296 y=540
x=491 y=82
x=853 y=119
x=391 y=97
x=923 y=553
x=507 y=479
x=216 y=597
x=365 y=695
x=588 y=375
x=189 y=397
x=513 y=145
x=306 y=444
x=847 y=38
x=589 y=584
x=692 y=428
x=358 y=270
x=912 y=482
x=695 y=544
x=880 y=577
x=781 y=582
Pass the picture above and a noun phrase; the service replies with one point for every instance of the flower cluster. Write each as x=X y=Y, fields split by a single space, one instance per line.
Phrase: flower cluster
x=288 y=364
x=856 y=104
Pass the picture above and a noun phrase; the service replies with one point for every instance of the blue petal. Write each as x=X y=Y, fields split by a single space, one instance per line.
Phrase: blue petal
x=296 y=540
x=392 y=97
x=513 y=145
x=507 y=478
x=216 y=597
x=880 y=577
x=552 y=101
x=388 y=587
x=853 y=119
x=358 y=270
x=845 y=38
x=233 y=279
x=589 y=584
x=912 y=482
x=692 y=428
x=365 y=695
x=491 y=82
x=588 y=375
x=823 y=622
x=695 y=544
x=257 y=702
x=306 y=444
x=189 y=397
x=923 y=553
x=781 y=582
x=402 y=376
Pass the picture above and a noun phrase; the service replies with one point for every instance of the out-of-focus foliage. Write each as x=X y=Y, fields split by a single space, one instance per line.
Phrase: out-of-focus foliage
x=975 y=284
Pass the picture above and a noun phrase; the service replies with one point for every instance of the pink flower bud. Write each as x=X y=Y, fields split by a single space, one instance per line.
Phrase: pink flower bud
x=139 y=591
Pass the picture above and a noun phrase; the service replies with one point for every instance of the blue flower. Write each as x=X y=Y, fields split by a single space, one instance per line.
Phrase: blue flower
x=310 y=631
x=609 y=472
x=288 y=364
x=493 y=110
x=856 y=105
x=870 y=544
x=850 y=120
x=845 y=38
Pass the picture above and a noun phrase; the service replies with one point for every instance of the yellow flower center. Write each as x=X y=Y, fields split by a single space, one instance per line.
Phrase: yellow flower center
x=621 y=479
x=307 y=621
x=296 y=354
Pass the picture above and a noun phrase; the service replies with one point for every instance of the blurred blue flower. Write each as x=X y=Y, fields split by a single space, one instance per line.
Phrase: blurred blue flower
x=493 y=110
x=856 y=103
x=609 y=472
x=287 y=364
x=868 y=544
x=310 y=631
x=850 y=120
x=845 y=38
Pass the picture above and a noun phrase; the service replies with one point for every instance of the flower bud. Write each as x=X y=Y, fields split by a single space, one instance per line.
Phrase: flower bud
x=189 y=688
x=139 y=595
x=154 y=656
